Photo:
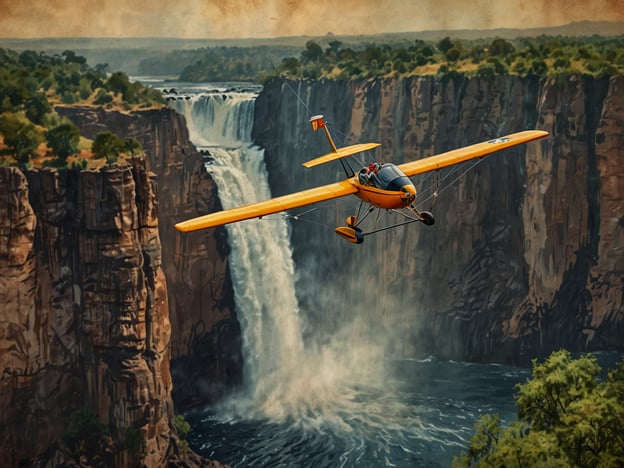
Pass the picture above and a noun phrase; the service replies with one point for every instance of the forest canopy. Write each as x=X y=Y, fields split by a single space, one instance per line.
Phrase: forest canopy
x=32 y=83
x=331 y=58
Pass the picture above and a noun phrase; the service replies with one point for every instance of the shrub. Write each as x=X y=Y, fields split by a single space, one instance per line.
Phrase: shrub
x=84 y=431
x=134 y=440
x=566 y=417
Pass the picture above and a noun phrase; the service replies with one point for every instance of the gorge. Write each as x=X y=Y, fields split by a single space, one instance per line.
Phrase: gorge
x=526 y=255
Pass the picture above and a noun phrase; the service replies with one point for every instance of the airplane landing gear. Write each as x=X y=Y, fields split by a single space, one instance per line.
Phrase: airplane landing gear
x=352 y=234
x=427 y=218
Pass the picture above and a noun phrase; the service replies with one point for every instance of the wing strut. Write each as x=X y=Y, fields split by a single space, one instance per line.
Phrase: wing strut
x=317 y=122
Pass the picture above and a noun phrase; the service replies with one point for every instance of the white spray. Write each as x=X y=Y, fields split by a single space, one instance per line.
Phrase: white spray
x=282 y=381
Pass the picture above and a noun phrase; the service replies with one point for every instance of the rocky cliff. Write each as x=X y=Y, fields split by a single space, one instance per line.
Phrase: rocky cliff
x=89 y=296
x=526 y=254
x=84 y=318
x=206 y=341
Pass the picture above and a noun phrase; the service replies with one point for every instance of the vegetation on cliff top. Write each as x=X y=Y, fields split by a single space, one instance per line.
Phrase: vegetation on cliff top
x=539 y=56
x=566 y=417
x=31 y=84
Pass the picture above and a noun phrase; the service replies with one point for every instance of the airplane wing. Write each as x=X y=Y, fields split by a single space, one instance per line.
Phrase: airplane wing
x=341 y=153
x=267 y=207
x=470 y=152
x=346 y=187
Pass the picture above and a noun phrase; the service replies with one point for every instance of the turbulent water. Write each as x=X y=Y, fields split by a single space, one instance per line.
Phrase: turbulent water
x=337 y=399
x=421 y=414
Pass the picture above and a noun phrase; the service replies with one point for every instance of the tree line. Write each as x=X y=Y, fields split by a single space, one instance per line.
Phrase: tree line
x=331 y=58
x=32 y=83
x=540 y=56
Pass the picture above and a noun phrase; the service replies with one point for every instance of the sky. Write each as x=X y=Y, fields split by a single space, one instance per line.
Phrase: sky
x=276 y=18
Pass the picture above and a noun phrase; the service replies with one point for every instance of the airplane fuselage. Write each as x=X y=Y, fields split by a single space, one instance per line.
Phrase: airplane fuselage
x=389 y=188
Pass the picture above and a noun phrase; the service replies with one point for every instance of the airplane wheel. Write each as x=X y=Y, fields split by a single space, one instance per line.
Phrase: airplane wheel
x=427 y=218
x=352 y=234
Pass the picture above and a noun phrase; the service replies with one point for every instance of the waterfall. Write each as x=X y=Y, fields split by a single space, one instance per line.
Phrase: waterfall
x=283 y=380
x=262 y=269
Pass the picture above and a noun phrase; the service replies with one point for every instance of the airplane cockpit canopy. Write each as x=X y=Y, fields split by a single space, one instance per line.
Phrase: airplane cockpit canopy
x=390 y=177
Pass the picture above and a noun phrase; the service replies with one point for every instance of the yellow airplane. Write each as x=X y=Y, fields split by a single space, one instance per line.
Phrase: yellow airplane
x=385 y=186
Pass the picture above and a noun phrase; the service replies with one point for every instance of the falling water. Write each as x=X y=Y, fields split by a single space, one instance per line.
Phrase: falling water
x=262 y=268
x=341 y=402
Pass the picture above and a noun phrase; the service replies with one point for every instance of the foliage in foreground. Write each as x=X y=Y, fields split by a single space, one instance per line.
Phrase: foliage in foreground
x=566 y=417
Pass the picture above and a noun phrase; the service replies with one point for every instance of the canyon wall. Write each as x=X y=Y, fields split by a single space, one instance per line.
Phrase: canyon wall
x=89 y=298
x=206 y=338
x=526 y=253
x=85 y=319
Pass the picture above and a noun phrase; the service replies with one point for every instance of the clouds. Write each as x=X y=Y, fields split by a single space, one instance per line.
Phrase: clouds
x=264 y=18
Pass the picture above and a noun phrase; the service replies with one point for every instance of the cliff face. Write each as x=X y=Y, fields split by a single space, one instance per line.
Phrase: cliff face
x=84 y=311
x=526 y=252
x=89 y=295
x=205 y=341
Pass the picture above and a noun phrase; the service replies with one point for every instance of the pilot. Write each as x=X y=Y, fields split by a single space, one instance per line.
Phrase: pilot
x=367 y=174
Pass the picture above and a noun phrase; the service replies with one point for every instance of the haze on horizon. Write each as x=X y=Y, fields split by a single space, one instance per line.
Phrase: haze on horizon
x=277 y=18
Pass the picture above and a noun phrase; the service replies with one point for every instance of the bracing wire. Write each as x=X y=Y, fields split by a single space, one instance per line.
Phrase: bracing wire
x=335 y=131
x=433 y=197
x=296 y=94
x=437 y=192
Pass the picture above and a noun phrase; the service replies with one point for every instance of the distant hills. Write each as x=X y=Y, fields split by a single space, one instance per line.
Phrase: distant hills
x=124 y=54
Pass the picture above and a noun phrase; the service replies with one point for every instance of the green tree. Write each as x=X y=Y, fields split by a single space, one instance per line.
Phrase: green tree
x=445 y=45
x=334 y=47
x=501 y=48
x=21 y=137
x=84 y=431
x=106 y=145
x=110 y=146
x=566 y=417
x=290 y=65
x=453 y=54
x=312 y=52
x=63 y=141
x=131 y=146
x=538 y=67
x=36 y=107
x=119 y=82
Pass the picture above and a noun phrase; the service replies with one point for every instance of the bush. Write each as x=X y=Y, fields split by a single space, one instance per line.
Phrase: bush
x=134 y=441
x=84 y=431
x=486 y=71
x=566 y=417
x=110 y=146
x=182 y=428
x=21 y=137
x=102 y=97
